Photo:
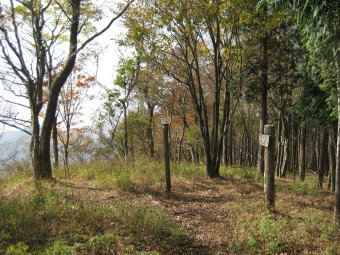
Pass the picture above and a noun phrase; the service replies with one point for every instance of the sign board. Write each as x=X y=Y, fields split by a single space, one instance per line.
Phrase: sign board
x=264 y=140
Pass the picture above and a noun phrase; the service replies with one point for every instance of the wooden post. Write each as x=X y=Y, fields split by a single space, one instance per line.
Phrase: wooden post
x=268 y=141
x=166 y=157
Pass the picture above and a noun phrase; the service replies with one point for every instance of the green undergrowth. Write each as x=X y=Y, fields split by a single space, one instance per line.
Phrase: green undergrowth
x=246 y=173
x=56 y=222
x=14 y=178
x=305 y=188
x=141 y=175
x=277 y=234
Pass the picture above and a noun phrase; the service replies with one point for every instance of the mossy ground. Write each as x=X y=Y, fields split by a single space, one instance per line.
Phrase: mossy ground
x=120 y=208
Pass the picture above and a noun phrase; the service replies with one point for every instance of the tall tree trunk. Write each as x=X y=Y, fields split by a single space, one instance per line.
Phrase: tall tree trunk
x=337 y=171
x=231 y=146
x=55 y=144
x=225 y=150
x=264 y=95
x=302 y=154
x=294 y=151
x=180 y=143
x=225 y=138
x=322 y=157
x=279 y=149
x=332 y=160
x=286 y=147
x=126 y=148
x=149 y=131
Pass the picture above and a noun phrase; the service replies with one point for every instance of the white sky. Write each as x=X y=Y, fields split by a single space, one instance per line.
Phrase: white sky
x=108 y=63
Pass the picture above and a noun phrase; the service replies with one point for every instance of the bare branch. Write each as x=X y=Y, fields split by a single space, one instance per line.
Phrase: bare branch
x=15 y=103
x=16 y=127
x=106 y=28
x=62 y=9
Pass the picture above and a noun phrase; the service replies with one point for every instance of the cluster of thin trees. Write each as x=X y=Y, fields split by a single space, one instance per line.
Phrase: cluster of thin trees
x=217 y=71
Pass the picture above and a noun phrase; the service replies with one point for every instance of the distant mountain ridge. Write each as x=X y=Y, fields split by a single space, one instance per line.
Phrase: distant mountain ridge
x=12 y=136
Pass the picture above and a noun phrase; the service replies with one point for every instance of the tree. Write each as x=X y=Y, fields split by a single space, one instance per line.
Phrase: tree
x=72 y=95
x=127 y=77
x=194 y=47
x=28 y=43
x=107 y=123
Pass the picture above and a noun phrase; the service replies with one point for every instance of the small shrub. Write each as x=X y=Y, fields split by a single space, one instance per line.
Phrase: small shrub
x=124 y=181
x=20 y=249
x=333 y=250
x=246 y=173
x=267 y=235
x=100 y=244
x=147 y=224
x=304 y=188
x=316 y=225
x=61 y=247
x=187 y=170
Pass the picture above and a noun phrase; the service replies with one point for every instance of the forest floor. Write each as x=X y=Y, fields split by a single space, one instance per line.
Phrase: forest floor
x=220 y=216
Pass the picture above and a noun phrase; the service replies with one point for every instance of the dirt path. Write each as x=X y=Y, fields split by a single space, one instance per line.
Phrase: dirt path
x=208 y=210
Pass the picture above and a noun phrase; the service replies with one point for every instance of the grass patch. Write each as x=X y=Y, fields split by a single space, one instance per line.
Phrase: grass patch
x=54 y=222
x=246 y=173
x=319 y=228
x=13 y=178
x=304 y=188
x=142 y=174
x=267 y=235
x=274 y=234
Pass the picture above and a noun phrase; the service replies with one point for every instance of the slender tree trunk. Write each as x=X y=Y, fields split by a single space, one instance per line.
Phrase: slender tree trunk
x=337 y=171
x=294 y=152
x=149 y=131
x=322 y=157
x=126 y=148
x=263 y=111
x=180 y=143
x=287 y=147
x=302 y=154
x=269 y=176
x=55 y=145
x=332 y=160
x=66 y=156
x=279 y=147
x=225 y=150
x=231 y=141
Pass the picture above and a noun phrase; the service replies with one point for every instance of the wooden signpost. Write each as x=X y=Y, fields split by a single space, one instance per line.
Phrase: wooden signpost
x=166 y=157
x=268 y=141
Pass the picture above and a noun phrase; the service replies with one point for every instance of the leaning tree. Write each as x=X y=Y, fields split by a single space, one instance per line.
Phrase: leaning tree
x=39 y=43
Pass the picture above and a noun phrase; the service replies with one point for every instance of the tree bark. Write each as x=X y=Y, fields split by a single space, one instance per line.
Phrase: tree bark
x=337 y=171
x=263 y=111
x=149 y=131
x=126 y=148
x=269 y=176
x=332 y=159
x=302 y=154
x=322 y=157
x=55 y=144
